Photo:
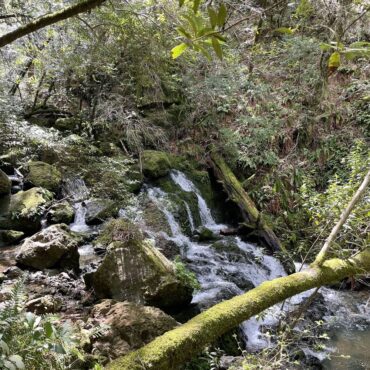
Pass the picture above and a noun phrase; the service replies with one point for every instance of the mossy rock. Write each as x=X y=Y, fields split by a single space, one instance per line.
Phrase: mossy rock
x=61 y=213
x=136 y=271
x=205 y=235
x=43 y=175
x=8 y=237
x=5 y=183
x=98 y=210
x=155 y=164
x=25 y=210
x=67 y=123
x=155 y=219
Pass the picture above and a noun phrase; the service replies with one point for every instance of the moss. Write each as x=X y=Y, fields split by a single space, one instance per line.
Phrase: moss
x=5 y=183
x=155 y=164
x=44 y=175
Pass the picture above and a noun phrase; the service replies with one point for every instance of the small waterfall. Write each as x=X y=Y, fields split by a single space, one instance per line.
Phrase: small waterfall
x=75 y=189
x=79 y=224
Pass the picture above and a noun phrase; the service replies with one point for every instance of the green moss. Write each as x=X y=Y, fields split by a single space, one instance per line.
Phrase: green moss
x=155 y=164
x=44 y=175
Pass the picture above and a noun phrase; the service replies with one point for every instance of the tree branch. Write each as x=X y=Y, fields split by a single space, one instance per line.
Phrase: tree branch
x=48 y=20
x=321 y=256
x=184 y=342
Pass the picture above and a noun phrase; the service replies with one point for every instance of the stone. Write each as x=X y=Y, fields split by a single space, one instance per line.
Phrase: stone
x=98 y=210
x=10 y=236
x=130 y=326
x=155 y=164
x=133 y=269
x=43 y=175
x=43 y=305
x=5 y=183
x=53 y=247
x=66 y=123
x=204 y=234
x=60 y=213
x=25 y=210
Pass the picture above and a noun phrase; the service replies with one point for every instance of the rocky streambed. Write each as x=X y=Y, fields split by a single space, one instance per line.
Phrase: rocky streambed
x=103 y=239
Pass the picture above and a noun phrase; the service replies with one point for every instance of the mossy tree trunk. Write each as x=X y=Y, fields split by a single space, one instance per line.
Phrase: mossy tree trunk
x=48 y=20
x=181 y=344
x=253 y=218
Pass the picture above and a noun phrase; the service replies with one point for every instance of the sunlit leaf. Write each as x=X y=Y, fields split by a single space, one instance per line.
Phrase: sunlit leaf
x=217 y=47
x=334 y=60
x=178 y=50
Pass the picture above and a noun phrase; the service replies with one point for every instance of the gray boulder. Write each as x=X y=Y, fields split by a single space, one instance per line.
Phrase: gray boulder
x=53 y=247
x=61 y=213
x=44 y=175
x=98 y=210
x=5 y=183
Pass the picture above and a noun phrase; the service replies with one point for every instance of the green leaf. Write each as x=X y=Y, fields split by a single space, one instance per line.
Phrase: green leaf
x=9 y=365
x=193 y=23
x=359 y=44
x=325 y=47
x=219 y=37
x=222 y=14
x=203 y=50
x=182 y=32
x=285 y=30
x=212 y=17
x=181 y=3
x=217 y=47
x=4 y=347
x=178 y=50
x=334 y=60
x=196 y=4
x=204 y=31
x=48 y=327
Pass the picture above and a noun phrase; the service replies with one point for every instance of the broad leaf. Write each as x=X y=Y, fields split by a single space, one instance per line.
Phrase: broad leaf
x=212 y=17
x=217 y=47
x=182 y=31
x=178 y=50
x=334 y=60
x=222 y=14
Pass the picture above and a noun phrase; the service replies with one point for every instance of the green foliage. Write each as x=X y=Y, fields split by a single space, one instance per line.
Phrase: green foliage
x=184 y=275
x=32 y=342
x=325 y=208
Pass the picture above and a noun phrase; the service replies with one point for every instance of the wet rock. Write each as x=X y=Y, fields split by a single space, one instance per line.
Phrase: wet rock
x=43 y=305
x=130 y=326
x=168 y=247
x=5 y=183
x=53 y=247
x=204 y=235
x=97 y=210
x=134 y=270
x=13 y=272
x=43 y=175
x=155 y=164
x=25 y=210
x=8 y=237
x=61 y=213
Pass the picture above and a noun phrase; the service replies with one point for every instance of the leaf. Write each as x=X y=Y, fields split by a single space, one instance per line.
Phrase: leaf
x=219 y=37
x=360 y=44
x=217 y=47
x=285 y=30
x=325 y=47
x=334 y=60
x=193 y=23
x=182 y=32
x=48 y=327
x=9 y=365
x=4 y=347
x=222 y=14
x=203 y=50
x=196 y=4
x=181 y=3
x=212 y=17
x=17 y=360
x=178 y=50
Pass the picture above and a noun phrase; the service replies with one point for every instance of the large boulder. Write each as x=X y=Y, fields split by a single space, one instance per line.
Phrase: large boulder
x=53 y=247
x=133 y=269
x=5 y=183
x=130 y=326
x=10 y=236
x=97 y=210
x=61 y=213
x=44 y=175
x=25 y=210
x=155 y=164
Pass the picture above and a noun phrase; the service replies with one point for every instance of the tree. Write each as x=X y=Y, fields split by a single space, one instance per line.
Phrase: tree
x=48 y=20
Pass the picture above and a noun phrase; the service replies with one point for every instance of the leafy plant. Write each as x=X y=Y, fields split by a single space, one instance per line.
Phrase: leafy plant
x=184 y=275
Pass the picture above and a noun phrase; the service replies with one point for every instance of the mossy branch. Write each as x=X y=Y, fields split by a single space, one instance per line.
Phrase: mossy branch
x=237 y=194
x=181 y=344
x=48 y=20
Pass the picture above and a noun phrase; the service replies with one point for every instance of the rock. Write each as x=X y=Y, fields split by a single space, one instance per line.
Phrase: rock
x=134 y=270
x=13 y=272
x=97 y=210
x=53 y=247
x=43 y=305
x=10 y=236
x=130 y=326
x=168 y=247
x=44 y=175
x=66 y=124
x=61 y=213
x=155 y=164
x=25 y=210
x=5 y=183
x=204 y=234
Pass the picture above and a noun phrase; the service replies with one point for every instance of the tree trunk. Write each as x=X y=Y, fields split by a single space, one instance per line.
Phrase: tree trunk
x=237 y=194
x=181 y=344
x=48 y=20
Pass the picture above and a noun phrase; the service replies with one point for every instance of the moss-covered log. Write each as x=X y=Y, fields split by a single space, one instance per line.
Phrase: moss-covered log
x=48 y=20
x=253 y=218
x=181 y=344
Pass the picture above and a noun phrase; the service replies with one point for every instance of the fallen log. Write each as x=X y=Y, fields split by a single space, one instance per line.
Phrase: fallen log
x=181 y=344
x=253 y=219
